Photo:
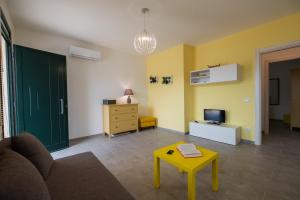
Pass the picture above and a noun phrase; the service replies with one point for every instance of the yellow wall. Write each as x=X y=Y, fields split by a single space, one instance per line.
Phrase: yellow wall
x=236 y=48
x=166 y=102
x=189 y=63
x=240 y=48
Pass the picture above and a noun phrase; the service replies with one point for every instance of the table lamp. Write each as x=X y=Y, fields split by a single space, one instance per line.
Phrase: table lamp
x=128 y=92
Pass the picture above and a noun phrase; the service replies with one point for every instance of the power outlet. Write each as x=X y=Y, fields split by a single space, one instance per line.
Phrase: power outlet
x=247 y=99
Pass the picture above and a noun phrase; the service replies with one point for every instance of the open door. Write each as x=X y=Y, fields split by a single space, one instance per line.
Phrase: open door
x=295 y=99
x=1 y=104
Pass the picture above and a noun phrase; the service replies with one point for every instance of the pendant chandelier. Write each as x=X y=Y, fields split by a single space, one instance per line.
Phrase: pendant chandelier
x=145 y=41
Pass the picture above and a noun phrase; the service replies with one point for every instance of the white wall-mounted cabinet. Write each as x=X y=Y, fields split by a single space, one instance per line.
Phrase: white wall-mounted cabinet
x=223 y=73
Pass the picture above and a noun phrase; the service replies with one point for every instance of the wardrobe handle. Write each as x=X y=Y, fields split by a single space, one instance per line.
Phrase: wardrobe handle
x=37 y=101
x=29 y=92
x=61 y=106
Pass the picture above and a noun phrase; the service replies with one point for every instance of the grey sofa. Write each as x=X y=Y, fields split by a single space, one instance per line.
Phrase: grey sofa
x=27 y=171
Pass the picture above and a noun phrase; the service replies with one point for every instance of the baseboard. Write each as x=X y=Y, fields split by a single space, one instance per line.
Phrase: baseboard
x=85 y=136
x=172 y=130
x=247 y=141
x=275 y=119
x=160 y=128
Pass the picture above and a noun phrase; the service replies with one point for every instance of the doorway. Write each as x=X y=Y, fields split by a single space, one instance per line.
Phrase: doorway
x=282 y=91
x=4 y=91
x=6 y=81
x=263 y=59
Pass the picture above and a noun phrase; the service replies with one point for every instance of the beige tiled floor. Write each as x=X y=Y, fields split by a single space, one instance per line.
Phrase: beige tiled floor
x=267 y=172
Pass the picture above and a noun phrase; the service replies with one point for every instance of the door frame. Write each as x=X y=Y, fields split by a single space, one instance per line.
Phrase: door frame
x=259 y=67
x=6 y=34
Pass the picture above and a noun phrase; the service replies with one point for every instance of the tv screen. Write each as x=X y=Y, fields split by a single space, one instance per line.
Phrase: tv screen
x=214 y=115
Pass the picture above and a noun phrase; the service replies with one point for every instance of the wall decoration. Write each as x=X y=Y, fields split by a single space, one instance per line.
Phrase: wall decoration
x=212 y=66
x=167 y=80
x=153 y=79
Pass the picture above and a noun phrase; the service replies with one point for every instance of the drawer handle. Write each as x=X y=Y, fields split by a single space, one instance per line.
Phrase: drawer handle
x=132 y=116
x=116 y=126
x=116 y=110
x=116 y=117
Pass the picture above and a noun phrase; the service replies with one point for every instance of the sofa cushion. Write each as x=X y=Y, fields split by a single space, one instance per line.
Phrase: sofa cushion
x=5 y=144
x=32 y=149
x=19 y=179
x=82 y=176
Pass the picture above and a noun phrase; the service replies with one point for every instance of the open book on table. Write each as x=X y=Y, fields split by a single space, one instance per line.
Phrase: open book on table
x=189 y=150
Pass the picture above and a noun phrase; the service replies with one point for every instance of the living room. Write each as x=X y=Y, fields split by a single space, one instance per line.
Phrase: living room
x=134 y=101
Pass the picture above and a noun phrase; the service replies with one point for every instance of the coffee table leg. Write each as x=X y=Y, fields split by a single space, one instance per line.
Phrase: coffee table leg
x=191 y=186
x=215 y=181
x=180 y=170
x=156 y=172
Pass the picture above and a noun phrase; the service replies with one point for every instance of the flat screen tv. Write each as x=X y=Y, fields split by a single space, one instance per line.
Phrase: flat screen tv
x=214 y=116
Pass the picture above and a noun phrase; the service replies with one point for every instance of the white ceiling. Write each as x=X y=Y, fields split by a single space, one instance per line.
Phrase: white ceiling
x=113 y=23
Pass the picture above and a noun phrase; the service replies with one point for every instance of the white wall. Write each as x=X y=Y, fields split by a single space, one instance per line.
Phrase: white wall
x=91 y=81
x=6 y=12
x=281 y=70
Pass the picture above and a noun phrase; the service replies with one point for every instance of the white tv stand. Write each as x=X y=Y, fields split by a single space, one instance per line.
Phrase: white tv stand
x=221 y=133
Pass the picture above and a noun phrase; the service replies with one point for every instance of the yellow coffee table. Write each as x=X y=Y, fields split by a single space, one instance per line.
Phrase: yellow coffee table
x=189 y=165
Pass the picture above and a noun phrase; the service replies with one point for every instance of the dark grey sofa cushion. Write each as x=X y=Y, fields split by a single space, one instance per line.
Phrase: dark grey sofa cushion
x=19 y=179
x=82 y=176
x=32 y=149
x=5 y=144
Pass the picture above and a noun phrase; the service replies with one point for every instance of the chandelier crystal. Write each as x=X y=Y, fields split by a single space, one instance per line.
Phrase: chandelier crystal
x=145 y=41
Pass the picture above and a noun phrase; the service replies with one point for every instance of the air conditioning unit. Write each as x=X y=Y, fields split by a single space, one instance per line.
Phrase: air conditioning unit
x=83 y=53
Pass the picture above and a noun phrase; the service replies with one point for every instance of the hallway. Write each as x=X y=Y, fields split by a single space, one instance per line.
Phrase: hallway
x=283 y=140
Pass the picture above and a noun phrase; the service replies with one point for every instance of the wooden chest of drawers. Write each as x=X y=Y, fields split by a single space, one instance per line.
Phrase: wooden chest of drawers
x=119 y=118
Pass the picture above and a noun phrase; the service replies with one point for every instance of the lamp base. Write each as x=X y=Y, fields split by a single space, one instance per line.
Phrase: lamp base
x=128 y=100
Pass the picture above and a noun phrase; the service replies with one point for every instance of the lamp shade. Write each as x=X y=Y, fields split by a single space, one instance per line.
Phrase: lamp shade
x=128 y=92
x=145 y=42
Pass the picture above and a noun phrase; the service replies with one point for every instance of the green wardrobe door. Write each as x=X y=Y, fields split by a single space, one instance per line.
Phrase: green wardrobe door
x=35 y=88
x=59 y=110
x=42 y=96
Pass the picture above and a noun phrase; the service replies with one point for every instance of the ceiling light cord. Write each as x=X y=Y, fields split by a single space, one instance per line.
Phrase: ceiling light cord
x=145 y=11
x=144 y=21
